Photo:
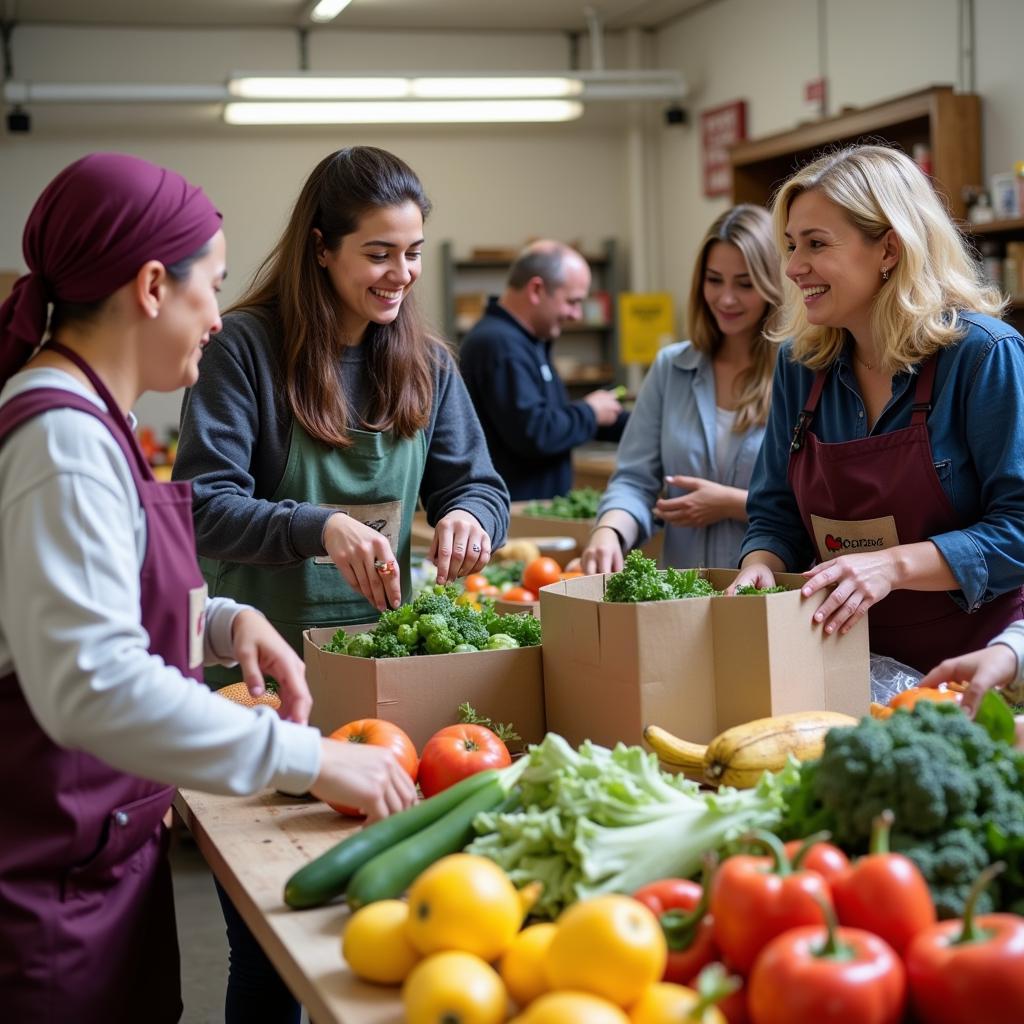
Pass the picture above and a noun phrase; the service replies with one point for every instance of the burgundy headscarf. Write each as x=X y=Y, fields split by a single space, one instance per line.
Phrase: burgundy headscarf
x=95 y=224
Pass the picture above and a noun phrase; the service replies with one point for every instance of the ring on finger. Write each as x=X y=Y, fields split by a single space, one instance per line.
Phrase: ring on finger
x=476 y=548
x=382 y=567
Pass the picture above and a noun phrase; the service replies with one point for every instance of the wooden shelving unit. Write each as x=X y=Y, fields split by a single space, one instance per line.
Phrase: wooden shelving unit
x=476 y=276
x=948 y=123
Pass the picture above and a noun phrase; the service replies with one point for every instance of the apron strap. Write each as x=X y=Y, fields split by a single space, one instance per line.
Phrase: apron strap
x=923 y=392
x=803 y=421
x=113 y=409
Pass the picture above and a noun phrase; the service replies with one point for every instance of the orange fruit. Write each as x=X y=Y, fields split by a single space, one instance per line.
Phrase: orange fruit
x=572 y=1008
x=522 y=966
x=909 y=698
x=239 y=693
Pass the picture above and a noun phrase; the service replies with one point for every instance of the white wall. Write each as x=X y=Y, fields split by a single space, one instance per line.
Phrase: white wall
x=874 y=50
x=490 y=185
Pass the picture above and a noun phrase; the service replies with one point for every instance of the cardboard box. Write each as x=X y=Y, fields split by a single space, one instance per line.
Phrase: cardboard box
x=695 y=666
x=422 y=694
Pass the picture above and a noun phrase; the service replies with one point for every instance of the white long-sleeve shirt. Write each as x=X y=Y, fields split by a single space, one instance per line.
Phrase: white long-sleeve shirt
x=72 y=542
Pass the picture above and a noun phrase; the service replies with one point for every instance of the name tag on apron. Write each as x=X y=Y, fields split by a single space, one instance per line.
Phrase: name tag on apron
x=385 y=517
x=835 y=537
x=196 y=624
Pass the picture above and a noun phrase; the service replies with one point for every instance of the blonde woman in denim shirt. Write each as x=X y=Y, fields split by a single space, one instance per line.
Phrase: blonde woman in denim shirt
x=689 y=448
x=893 y=460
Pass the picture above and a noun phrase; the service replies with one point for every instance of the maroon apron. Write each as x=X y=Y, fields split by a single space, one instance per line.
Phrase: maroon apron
x=87 y=930
x=879 y=491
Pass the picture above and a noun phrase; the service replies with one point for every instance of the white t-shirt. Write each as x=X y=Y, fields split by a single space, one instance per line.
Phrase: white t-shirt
x=72 y=541
x=727 y=442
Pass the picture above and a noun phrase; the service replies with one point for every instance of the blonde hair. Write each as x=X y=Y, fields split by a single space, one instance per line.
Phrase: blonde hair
x=749 y=228
x=916 y=312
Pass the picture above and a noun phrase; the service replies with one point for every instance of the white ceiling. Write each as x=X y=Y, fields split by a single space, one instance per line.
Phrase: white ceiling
x=485 y=15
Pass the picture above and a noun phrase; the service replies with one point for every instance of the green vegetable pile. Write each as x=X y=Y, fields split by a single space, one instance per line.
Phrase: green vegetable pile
x=435 y=624
x=577 y=504
x=642 y=580
x=957 y=795
x=597 y=820
x=501 y=574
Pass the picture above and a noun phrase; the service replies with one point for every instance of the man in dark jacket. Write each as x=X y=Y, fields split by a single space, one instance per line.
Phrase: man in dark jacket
x=530 y=424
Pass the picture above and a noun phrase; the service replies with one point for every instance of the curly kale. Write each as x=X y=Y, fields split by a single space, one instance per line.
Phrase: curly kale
x=639 y=580
x=522 y=627
x=957 y=796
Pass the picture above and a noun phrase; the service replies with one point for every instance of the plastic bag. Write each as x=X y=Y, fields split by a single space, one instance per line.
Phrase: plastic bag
x=889 y=677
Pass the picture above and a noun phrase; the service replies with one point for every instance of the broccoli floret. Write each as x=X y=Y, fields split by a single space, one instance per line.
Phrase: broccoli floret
x=950 y=862
x=360 y=646
x=387 y=645
x=639 y=580
x=470 y=629
x=429 y=623
x=390 y=620
x=436 y=601
x=408 y=635
x=523 y=628
x=440 y=641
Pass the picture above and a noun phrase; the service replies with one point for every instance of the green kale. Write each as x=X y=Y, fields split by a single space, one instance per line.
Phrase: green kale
x=521 y=626
x=639 y=580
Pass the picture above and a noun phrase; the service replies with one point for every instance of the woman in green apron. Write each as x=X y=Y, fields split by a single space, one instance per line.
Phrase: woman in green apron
x=325 y=411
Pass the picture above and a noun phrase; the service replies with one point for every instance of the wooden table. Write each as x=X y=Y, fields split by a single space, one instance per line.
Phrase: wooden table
x=252 y=845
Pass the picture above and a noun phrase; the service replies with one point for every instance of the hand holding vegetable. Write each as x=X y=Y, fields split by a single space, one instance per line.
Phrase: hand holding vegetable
x=362 y=776
x=461 y=546
x=356 y=550
x=754 y=574
x=259 y=648
x=991 y=668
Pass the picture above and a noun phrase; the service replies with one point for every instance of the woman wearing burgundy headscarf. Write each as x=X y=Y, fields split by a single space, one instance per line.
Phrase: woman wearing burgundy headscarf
x=103 y=607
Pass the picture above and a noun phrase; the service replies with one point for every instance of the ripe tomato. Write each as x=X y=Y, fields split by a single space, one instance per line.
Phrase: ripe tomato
x=454 y=986
x=456 y=752
x=540 y=572
x=377 y=733
x=475 y=582
x=519 y=594
x=909 y=698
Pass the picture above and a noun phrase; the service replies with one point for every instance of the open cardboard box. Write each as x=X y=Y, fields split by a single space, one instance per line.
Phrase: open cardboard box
x=422 y=693
x=695 y=666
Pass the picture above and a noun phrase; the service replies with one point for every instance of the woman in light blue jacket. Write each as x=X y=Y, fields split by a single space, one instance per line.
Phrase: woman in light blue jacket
x=688 y=450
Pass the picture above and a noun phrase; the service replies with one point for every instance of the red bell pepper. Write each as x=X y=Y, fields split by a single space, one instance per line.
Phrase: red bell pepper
x=827 y=975
x=682 y=908
x=753 y=899
x=816 y=854
x=884 y=892
x=969 y=970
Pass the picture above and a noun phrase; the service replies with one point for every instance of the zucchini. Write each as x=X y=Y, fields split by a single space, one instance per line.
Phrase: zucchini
x=327 y=876
x=390 y=873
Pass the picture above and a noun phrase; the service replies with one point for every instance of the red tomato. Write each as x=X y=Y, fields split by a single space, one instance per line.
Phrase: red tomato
x=377 y=733
x=518 y=594
x=475 y=582
x=457 y=752
x=540 y=572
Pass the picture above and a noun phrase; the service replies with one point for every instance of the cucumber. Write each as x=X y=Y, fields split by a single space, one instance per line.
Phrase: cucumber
x=327 y=876
x=390 y=873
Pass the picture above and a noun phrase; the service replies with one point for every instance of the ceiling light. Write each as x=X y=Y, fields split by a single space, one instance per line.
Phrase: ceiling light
x=412 y=112
x=507 y=87
x=327 y=10
x=318 y=87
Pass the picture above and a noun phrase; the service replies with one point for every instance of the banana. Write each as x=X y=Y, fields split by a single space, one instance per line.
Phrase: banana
x=738 y=756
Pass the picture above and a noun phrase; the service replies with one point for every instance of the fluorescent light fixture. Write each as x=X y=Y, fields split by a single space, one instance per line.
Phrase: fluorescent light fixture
x=412 y=112
x=508 y=87
x=327 y=10
x=318 y=87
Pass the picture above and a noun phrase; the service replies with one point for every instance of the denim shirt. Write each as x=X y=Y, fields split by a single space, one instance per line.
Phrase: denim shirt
x=671 y=432
x=976 y=429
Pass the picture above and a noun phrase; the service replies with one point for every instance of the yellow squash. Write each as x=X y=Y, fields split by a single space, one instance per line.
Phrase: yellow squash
x=739 y=755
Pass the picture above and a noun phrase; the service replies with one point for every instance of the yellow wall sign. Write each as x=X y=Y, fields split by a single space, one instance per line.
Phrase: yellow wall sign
x=646 y=322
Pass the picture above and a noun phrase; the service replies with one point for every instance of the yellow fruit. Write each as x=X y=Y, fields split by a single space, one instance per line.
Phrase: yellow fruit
x=611 y=946
x=522 y=966
x=239 y=693
x=572 y=1008
x=375 y=944
x=665 y=1003
x=454 y=988
x=464 y=902
x=740 y=755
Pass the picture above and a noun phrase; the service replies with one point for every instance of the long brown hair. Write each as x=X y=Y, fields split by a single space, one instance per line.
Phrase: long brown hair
x=292 y=291
x=749 y=228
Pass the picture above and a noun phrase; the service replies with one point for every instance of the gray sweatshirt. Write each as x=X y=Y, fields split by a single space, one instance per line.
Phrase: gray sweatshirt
x=235 y=428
